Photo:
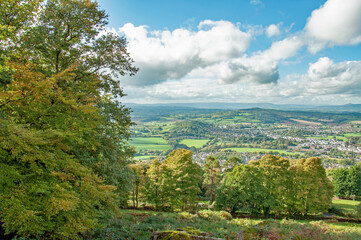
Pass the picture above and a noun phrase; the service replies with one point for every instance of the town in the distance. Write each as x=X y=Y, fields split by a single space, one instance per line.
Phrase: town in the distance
x=249 y=133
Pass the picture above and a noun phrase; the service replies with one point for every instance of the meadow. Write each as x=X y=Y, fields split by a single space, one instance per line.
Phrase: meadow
x=197 y=143
x=259 y=150
x=149 y=143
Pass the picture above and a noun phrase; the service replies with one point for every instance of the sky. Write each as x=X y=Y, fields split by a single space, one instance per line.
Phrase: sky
x=240 y=51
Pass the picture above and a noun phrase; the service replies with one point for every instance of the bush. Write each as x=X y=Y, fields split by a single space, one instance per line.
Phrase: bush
x=215 y=215
x=186 y=215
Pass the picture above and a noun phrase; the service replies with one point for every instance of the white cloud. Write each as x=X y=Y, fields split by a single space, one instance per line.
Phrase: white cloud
x=283 y=49
x=166 y=55
x=256 y=2
x=262 y=67
x=337 y=22
x=327 y=77
x=273 y=30
x=325 y=82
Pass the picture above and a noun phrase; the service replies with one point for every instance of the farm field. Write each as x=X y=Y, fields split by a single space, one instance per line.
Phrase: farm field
x=251 y=150
x=150 y=143
x=197 y=143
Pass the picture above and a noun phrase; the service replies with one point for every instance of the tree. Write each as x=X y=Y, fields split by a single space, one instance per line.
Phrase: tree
x=42 y=186
x=138 y=181
x=347 y=181
x=313 y=189
x=276 y=181
x=158 y=184
x=185 y=178
x=232 y=162
x=242 y=189
x=340 y=182
x=212 y=176
x=63 y=131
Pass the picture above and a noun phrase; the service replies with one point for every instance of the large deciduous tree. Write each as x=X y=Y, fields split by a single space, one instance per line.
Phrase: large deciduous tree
x=273 y=186
x=186 y=176
x=63 y=131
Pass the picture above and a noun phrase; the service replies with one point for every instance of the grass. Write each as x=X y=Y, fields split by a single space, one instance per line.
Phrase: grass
x=346 y=205
x=150 y=143
x=348 y=135
x=134 y=224
x=259 y=150
x=197 y=143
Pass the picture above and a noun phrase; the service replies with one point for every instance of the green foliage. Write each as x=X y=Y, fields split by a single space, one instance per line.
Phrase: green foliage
x=185 y=178
x=242 y=189
x=347 y=181
x=173 y=182
x=158 y=184
x=272 y=185
x=214 y=215
x=140 y=225
x=310 y=186
x=138 y=182
x=212 y=176
x=63 y=133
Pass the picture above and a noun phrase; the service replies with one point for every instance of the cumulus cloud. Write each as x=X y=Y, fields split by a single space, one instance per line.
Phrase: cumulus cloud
x=273 y=30
x=327 y=77
x=325 y=82
x=166 y=55
x=262 y=67
x=337 y=22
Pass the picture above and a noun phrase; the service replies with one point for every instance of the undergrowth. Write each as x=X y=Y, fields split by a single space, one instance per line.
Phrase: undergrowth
x=140 y=225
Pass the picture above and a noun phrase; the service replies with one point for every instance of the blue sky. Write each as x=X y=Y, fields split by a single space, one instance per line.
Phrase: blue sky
x=302 y=51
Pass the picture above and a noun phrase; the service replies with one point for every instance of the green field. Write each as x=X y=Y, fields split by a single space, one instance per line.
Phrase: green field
x=149 y=143
x=346 y=205
x=144 y=157
x=259 y=150
x=197 y=143
x=352 y=135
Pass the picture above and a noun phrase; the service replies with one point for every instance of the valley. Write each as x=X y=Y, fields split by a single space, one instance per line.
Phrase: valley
x=335 y=136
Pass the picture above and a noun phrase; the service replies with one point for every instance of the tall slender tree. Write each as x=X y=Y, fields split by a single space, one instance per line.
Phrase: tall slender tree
x=212 y=176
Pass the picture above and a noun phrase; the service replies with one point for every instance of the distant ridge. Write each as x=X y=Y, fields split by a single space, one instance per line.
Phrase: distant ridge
x=233 y=106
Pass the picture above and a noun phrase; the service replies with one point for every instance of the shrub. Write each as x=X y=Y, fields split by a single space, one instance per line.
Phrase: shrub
x=186 y=215
x=214 y=215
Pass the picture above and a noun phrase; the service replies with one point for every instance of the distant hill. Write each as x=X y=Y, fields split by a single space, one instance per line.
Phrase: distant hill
x=295 y=107
x=289 y=113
